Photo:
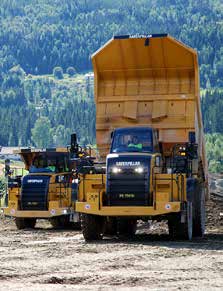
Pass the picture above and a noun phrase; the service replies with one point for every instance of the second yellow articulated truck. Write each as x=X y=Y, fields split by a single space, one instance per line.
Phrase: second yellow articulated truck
x=49 y=190
x=150 y=134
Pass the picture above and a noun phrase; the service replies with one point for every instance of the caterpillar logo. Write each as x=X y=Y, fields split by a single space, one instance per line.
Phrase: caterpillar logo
x=35 y=181
x=140 y=35
x=128 y=164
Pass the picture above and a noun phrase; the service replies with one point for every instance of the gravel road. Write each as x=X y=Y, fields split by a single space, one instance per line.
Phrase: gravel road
x=46 y=259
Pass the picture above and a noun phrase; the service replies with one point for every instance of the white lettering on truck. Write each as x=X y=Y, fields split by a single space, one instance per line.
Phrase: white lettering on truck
x=34 y=181
x=128 y=164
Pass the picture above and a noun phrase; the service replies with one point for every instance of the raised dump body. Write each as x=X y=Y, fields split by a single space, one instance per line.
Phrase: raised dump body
x=151 y=81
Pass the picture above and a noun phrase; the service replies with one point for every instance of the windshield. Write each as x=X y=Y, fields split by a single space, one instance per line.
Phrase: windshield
x=50 y=162
x=132 y=140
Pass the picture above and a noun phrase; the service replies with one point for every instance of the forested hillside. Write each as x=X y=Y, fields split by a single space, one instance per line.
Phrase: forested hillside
x=54 y=37
x=45 y=110
x=42 y=34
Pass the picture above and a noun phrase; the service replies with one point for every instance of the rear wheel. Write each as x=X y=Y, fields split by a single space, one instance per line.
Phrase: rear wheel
x=199 y=211
x=92 y=226
x=22 y=223
x=182 y=230
x=126 y=227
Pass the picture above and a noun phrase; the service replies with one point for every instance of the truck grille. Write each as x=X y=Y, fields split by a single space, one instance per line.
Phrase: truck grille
x=34 y=192
x=128 y=189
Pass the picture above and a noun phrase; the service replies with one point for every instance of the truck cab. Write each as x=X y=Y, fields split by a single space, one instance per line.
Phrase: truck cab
x=133 y=155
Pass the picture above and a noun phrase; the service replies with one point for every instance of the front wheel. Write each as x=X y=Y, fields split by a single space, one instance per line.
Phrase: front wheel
x=182 y=230
x=199 y=211
x=23 y=223
x=92 y=226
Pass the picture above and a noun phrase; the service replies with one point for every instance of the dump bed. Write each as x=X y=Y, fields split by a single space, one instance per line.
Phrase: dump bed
x=150 y=80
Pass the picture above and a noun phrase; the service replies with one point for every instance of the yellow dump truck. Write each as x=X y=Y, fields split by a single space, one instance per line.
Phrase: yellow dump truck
x=48 y=191
x=149 y=130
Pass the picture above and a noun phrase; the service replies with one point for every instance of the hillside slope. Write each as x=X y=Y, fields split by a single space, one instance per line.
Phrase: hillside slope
x=42 y=34
x=38 y=35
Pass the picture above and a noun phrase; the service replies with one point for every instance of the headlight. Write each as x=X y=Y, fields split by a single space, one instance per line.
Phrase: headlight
x=116 y=170
x=139 y=170
x=75 y=181
x=64 y=211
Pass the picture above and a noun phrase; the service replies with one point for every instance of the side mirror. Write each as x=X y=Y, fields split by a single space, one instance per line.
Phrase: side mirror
x=112 y=133
x=73 y=146
x=73 y=140
x=192 y=151
x=192 y=137
x=7 y=168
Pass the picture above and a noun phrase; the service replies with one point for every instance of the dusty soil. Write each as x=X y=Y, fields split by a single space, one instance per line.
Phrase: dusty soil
x=46 y=259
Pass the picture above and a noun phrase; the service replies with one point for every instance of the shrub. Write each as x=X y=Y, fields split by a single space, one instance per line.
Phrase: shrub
x=58 y=73
x=71 y=71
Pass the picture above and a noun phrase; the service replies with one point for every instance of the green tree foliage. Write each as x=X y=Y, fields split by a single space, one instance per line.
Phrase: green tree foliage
x=214 y=145
x=40 y=35
x=71 y=71
x=212 y=108
x=58 y=73
x=68 y=106
x=41 y=133
x=36 y=36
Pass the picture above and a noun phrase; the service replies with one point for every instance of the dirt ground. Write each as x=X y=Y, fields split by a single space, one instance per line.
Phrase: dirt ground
x=46 y=259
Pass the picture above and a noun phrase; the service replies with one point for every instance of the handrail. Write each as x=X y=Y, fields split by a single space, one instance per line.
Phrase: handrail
x=180 y=190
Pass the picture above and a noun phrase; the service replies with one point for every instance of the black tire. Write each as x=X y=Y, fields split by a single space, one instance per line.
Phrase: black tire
x=92 y=226
x=111 y=226
x=199 y=211
x=126 y=227
x=179 y=230
x=60 y=222
x=20 y=223
x=23 y=223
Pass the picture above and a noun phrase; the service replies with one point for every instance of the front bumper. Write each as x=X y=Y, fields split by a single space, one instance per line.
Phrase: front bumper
x=161 y=208
x=37 y=213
